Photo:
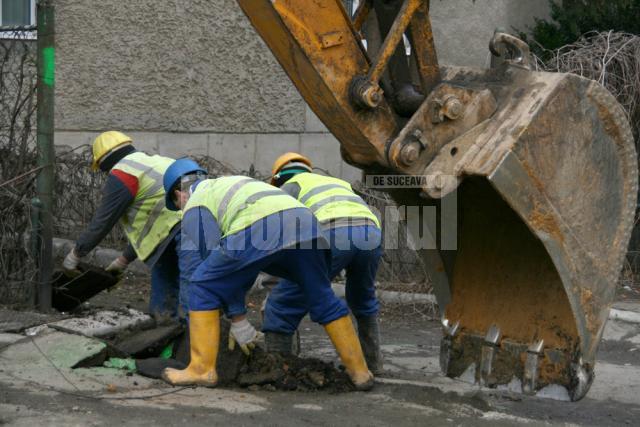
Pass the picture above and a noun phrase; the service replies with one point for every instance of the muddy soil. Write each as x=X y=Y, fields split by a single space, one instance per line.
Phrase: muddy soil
x=262 y=371
x=259 y=371
x=274 y=371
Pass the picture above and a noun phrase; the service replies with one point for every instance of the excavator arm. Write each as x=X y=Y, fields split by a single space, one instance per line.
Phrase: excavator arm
x=534 y=176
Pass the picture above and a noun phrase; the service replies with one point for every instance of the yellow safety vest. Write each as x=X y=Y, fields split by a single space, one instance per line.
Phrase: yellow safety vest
x=236 y=202
x=147 y=222
x=331 y=198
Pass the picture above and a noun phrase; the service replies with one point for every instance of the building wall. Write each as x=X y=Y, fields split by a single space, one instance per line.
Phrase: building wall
x=462 y=28
x=192 y=76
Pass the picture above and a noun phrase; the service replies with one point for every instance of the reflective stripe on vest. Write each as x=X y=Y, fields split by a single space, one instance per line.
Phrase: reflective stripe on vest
x=236 y=202
x=155 y=175
x=224 y=204
x=331 y=198
x=147 y=221
x=319 y=189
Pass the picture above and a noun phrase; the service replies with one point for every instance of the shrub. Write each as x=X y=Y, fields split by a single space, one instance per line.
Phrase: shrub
x=570 y=19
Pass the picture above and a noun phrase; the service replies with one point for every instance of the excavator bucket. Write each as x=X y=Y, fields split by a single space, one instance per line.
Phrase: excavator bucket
x=546 y=201
x=533 y=174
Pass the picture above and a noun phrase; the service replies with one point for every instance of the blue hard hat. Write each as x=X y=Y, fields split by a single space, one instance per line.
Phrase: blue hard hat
x=172 y=175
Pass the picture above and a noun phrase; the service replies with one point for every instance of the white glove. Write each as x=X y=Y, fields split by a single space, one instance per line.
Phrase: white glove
x=117 y=266
x=245 y=335
x=70 y=263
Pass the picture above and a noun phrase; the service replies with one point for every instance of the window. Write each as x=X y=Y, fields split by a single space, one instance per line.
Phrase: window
x=17 y=13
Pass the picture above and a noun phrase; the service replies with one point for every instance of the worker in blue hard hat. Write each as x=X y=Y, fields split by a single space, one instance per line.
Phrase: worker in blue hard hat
x=133 y=195
x=354 y=234
x=190 y=257
x=241 y=227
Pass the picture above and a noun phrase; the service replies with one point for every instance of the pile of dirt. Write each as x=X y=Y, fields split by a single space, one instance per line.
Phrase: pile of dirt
x=275 y=371
x=259 y=371
x=262 y=371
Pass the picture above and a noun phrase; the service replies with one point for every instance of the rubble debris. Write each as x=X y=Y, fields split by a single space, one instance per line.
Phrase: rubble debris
x=57 y=348
x=289 y=372
x=132 y=334
x=148 y=342
x=261 y=370
x=274 y=371
x=105 y=323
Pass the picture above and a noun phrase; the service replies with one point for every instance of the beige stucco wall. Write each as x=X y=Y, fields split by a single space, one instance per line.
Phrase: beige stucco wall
x=171 y=65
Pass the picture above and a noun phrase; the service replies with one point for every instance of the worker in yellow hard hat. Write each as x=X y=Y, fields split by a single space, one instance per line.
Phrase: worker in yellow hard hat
x=134 y=196
x=353 y=232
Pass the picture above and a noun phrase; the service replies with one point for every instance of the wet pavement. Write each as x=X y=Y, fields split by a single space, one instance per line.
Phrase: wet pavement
x=411 y=392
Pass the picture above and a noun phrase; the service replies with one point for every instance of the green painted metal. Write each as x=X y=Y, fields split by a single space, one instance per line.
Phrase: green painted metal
x=48 y=65
x=46 y=155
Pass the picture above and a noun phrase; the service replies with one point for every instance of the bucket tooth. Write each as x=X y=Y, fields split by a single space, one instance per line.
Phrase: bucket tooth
x=531 y=367
x=446 y=345
x=581 y=378
x=450 y=330
x=487 y=356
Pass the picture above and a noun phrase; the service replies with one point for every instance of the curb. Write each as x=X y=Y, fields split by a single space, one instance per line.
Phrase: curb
x=624 y=315
x=392 y=297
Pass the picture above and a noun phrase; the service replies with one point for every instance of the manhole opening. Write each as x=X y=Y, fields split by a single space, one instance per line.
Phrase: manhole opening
x=149 y=349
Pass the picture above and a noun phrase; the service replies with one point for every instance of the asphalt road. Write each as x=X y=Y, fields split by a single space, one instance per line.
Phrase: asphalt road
x=411 y=392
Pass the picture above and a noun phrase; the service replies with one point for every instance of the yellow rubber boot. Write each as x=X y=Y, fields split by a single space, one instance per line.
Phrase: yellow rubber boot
x=204 y=337
x=344 y=339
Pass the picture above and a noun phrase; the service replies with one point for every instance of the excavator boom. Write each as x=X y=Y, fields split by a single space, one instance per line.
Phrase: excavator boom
x=541 y=168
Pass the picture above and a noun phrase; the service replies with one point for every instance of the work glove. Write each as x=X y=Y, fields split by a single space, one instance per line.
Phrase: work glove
x=245 y=335
x=117 y=267
x=70 y=264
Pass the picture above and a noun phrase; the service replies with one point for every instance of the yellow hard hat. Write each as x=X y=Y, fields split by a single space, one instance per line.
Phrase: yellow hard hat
x=105 y=143
x=285 y=159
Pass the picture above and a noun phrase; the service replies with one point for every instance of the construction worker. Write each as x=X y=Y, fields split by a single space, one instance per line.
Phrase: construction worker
x=355 y=238
x=242 y=227
x=134 y=195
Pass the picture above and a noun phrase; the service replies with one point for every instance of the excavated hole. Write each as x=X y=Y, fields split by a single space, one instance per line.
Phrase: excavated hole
x=260 y=371
x=147 y=341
